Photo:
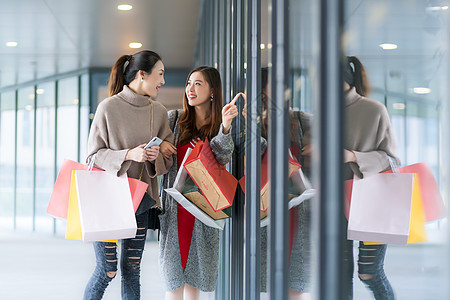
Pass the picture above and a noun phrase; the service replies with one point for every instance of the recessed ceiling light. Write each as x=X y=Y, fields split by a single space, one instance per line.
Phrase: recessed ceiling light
x=11 y=44
x=124 y=7
x=269 y=46
x=40 y=91
x=262 y=46
x=135 y=45
x=387 y=46
x=437 y=8
x=421 y=90
x=399 y=106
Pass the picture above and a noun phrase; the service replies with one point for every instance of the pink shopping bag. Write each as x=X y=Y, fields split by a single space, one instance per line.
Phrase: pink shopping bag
x=59 y=200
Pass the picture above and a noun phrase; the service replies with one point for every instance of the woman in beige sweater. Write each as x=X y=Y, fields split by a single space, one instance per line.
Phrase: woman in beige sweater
x=122 y=126
x=368 y=146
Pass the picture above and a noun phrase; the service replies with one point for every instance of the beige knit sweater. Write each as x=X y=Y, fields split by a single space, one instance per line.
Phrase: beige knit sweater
x=369 y=135
x=122 y=122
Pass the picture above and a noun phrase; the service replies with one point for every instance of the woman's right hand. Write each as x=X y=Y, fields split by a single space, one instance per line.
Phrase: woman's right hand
x=137 y=154
x=167 y=149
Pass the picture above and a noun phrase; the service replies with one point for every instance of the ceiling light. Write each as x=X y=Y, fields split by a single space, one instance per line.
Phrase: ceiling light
x=124 y=7
x=28 y=107
x=11 y=44
x=40 y=91
x=399 y=106
x=135 y=45
x=262 y=46
x=245 y=66
x=269 y=46
x=387 y=46
x=437 y=8
x=421 y=90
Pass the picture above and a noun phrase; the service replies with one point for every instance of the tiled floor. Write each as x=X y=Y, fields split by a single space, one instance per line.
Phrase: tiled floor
x=39 y=267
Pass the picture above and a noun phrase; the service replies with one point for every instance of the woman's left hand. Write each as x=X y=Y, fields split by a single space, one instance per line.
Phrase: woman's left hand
x=152 y=153
x=229 y=112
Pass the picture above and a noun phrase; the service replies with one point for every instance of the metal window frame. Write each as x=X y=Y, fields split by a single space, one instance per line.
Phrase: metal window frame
x=253 y=153
x=278 y=147
x=329 y=167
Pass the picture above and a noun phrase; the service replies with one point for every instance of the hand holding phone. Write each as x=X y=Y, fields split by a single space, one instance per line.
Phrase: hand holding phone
x=156 y=141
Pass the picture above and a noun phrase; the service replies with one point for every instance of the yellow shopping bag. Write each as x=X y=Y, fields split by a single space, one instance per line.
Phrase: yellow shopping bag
x=73 y=229
x=417 y=232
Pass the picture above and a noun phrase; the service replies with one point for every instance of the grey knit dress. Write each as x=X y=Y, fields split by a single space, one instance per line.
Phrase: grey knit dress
x=203 y=261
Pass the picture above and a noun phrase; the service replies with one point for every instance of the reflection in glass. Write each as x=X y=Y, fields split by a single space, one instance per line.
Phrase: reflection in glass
x=419 y=29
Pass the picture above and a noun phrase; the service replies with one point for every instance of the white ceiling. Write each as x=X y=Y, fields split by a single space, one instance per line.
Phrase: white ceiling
x=56 y=36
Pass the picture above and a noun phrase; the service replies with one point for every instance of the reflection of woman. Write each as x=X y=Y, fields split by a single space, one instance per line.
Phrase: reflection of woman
x=122 y=125
x=189 y=250
x=369 y=143
x=299 y=248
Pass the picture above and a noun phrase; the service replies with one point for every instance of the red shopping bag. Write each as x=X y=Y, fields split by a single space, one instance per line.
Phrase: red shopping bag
x=214 y=181
x=59 y=200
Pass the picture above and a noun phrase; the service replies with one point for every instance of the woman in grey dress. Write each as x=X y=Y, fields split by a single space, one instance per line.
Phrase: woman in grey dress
x=189 y=249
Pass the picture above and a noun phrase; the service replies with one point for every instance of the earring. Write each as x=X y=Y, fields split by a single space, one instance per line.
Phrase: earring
x=142 y=79
x=212 y=98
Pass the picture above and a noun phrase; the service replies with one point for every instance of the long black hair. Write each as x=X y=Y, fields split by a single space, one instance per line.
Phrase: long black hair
x=122 y=74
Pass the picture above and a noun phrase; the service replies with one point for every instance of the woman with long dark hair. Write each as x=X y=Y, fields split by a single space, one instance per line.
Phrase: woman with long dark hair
x=122 y=126
x=189 y=249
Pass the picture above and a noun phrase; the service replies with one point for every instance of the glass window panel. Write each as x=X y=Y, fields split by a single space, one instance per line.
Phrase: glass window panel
x=7 y=154
x=67 y=116
x=25 y=158
x=45 y=154
x=418 y=29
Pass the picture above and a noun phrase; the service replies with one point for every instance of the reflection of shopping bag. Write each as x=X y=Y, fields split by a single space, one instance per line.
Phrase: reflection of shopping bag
x=105 y=205
x=299 y=187
x=382 y=207
x=73 y=228
x=431 y=197
x=59 y=200
x=417 y=232
x=175 y=193
x=214 y=181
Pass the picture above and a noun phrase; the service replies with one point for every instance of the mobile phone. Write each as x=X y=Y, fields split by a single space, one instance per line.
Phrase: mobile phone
x=156 y=141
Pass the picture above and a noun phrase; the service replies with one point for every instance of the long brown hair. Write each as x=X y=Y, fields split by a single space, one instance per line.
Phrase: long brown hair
x=358 y=76
x=122 y=75
x=187 y=124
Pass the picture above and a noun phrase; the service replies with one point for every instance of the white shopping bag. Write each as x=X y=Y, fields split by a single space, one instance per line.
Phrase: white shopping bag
x=175 y=192
x=380 y=209
x=106 y=208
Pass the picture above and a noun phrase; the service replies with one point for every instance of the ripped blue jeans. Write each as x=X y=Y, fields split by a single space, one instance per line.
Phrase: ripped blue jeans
x=130 y=261
x=370 y=270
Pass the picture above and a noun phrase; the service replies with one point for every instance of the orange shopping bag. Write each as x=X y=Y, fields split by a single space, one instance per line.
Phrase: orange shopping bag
x=214 y=181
